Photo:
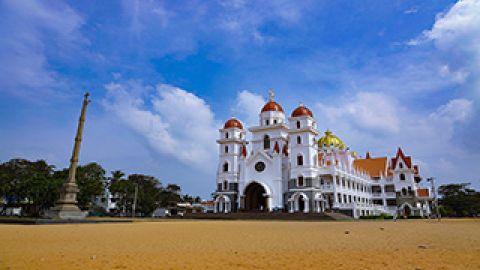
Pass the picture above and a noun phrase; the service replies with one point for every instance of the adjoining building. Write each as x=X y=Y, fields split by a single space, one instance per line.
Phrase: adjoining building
x=285 y=166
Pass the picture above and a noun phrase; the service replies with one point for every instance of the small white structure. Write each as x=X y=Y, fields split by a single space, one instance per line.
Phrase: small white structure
x=285 y=166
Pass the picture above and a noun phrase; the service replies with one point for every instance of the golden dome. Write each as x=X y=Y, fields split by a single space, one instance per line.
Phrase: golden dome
x=329 y=139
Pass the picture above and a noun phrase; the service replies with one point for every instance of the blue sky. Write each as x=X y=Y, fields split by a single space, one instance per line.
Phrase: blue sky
x=165 y=75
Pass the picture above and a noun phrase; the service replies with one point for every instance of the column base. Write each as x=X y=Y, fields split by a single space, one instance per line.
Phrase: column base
x=66 y=211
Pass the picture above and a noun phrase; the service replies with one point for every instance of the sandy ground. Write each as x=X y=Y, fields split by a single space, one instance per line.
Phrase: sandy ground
x=419 y=244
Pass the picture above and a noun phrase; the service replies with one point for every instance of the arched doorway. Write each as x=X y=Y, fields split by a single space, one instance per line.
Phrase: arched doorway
x=254 y=197
x=407 y=211
x=301 y=204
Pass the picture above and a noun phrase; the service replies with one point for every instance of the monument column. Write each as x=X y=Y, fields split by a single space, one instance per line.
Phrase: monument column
x=66 y=206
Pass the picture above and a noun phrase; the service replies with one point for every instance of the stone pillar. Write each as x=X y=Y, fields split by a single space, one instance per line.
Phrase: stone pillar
x=66 y=206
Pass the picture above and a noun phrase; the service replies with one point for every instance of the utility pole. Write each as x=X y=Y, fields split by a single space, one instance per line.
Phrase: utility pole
x=66 y=207
x=135 y=200
x=435 y=197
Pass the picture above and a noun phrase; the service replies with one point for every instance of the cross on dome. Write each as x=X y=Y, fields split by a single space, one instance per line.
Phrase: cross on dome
x=271 y=94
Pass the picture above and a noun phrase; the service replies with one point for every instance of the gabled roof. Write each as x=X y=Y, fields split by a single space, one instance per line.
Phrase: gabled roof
x=375 y=167
x=406 y=159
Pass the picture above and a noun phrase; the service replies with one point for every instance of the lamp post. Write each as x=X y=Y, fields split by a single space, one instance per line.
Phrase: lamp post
x=135 y=200
x=435 y=197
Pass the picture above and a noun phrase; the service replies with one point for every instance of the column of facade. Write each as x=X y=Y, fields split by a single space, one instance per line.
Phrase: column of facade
x=384 y=199
x=335 y=195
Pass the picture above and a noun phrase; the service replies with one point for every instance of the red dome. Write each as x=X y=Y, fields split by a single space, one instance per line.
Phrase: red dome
x=233 y=123
x=302 y=111
x=272 y=106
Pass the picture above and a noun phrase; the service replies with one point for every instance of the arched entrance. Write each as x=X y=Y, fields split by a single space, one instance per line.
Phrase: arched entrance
x=407 y=211
x=254 y=197
x=301 y=204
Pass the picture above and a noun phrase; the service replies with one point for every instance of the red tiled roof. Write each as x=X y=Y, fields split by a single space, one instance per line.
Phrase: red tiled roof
x=375 y=167
x=406 y=159
x=423 y=192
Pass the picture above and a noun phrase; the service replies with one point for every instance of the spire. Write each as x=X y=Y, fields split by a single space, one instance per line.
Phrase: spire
x=276 y=148
x=285 y=150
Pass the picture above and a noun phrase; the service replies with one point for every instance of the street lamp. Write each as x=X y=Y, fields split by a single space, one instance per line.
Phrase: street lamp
x=435 y=197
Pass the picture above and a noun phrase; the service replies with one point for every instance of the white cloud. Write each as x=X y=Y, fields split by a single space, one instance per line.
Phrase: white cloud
x=456 y=110
x=178 y=124
x=365 y=110
x=411 y=10
x=28 y=30
x=458 y=28
x=248 y=106
x=431 y=137
x=456 y=34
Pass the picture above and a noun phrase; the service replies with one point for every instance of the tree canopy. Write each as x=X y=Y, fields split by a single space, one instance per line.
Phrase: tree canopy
x=458 y=200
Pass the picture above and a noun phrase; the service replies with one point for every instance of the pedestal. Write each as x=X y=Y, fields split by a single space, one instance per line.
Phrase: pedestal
x=66 y=207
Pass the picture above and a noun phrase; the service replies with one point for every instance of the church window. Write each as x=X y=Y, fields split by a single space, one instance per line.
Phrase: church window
x=226 y=149
x=267 y=122
x=298 y=124
x=402 y=176
x=225 y=167
x=226 y=135
x=300 y=181
x=300 y=160
x=275 y=121
x=401 y=165
x=266 y=142
x=299 y=140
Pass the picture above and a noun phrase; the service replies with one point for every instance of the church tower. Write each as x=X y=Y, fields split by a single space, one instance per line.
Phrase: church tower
x=232 y=148
x=303 y=158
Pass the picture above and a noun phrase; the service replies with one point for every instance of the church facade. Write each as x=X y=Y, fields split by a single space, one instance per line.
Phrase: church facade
x=288 y=166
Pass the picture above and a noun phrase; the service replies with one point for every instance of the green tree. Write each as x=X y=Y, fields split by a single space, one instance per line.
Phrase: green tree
x=148 y=197
x=458 y=200
x=29 y=183
x=90 y=179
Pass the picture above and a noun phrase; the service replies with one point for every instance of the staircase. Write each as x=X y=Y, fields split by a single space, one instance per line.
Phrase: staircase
x=270 y=216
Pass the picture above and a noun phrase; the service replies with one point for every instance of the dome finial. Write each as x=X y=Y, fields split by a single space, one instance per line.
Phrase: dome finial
x=271 y=94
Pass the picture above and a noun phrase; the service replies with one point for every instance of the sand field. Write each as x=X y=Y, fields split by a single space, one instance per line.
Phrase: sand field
x=413 y=244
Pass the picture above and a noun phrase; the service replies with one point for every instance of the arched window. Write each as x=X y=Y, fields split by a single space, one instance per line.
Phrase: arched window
x=298 y=124
x=226 y=135
x=266 y=142
x=402 y=176
x=225 y=167
x=300 y=160
x=401 y=165
x=275 y=121
x=226 y=148
x=300 y=181
x=225 y=185
x=299 y=140
x=267 y=122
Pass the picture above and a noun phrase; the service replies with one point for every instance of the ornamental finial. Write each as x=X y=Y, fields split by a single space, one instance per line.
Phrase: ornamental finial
x=271 y=94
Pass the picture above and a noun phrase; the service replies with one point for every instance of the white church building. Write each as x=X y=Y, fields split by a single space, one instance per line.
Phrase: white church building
x=288 y=166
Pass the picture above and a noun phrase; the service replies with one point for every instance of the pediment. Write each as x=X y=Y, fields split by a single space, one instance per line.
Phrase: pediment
x=259 y=155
